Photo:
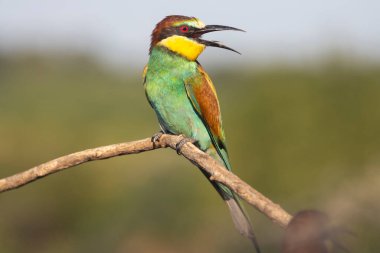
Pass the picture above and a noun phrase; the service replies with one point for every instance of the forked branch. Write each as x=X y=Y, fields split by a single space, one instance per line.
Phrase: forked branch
x=218 y=173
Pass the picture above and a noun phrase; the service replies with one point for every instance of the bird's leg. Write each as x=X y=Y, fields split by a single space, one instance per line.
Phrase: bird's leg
x=182 y=142
x=156 y=137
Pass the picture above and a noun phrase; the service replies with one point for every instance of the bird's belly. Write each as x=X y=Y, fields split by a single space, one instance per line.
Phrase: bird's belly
x=176 y=115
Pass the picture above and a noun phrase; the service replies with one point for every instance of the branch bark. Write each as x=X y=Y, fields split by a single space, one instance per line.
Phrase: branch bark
x=218 y=172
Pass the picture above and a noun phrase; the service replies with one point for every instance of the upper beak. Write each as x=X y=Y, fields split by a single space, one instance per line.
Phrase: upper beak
x=214 y=28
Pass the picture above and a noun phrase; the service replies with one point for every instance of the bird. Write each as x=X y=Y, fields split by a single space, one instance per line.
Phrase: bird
x=185 y=100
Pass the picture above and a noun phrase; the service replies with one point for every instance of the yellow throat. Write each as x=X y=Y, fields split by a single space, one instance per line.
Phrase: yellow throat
x=184 y=46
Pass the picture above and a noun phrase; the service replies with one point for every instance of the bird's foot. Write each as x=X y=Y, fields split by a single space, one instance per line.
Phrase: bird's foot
x=179 y=145
x=156 y=137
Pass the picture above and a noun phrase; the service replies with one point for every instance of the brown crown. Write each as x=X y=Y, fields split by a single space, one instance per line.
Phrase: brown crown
x=162 y=29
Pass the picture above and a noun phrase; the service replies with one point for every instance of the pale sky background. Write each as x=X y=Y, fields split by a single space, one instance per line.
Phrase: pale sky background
x=118 y=32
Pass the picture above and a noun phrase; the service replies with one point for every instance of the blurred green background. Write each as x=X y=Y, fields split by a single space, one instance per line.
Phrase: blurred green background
x=306 y=137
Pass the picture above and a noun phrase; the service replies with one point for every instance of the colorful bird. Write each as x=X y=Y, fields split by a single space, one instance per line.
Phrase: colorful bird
x=184 y=98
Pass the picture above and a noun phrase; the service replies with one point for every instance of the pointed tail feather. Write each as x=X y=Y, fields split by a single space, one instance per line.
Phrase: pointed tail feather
x=241 y=221
x=239 y=217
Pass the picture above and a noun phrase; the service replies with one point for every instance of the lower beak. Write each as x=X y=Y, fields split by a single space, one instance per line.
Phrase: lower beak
x=215 y=28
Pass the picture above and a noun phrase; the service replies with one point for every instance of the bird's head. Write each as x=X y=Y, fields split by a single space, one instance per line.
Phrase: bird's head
x=182 y=35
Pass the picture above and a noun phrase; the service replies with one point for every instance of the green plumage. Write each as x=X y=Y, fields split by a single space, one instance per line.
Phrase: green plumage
x=165 y=90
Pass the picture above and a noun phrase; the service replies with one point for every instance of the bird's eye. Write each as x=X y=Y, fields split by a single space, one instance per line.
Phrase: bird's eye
x=184 y=28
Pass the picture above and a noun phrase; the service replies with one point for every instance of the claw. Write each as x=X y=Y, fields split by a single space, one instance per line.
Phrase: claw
x=156 y=137
x=180 y=144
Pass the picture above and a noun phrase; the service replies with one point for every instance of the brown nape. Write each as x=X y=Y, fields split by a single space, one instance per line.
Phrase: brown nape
x=161 y=31
x=309 y=232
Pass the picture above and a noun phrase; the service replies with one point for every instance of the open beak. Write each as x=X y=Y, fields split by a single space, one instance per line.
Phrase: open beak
x=214 y=28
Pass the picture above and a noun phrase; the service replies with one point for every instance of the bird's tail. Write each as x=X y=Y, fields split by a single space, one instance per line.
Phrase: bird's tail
x=239 y=216
x=241 y=221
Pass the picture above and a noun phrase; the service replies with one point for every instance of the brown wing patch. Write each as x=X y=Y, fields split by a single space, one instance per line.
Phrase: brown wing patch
x=207 y=99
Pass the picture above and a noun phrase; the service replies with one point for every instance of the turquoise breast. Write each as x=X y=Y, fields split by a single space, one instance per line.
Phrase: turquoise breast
x=165 y=90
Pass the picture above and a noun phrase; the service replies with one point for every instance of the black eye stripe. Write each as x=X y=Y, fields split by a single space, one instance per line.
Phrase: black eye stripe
x=169 y=31
x=189 y=29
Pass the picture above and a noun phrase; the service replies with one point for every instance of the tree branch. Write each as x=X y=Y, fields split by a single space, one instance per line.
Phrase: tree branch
x=218 y=172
